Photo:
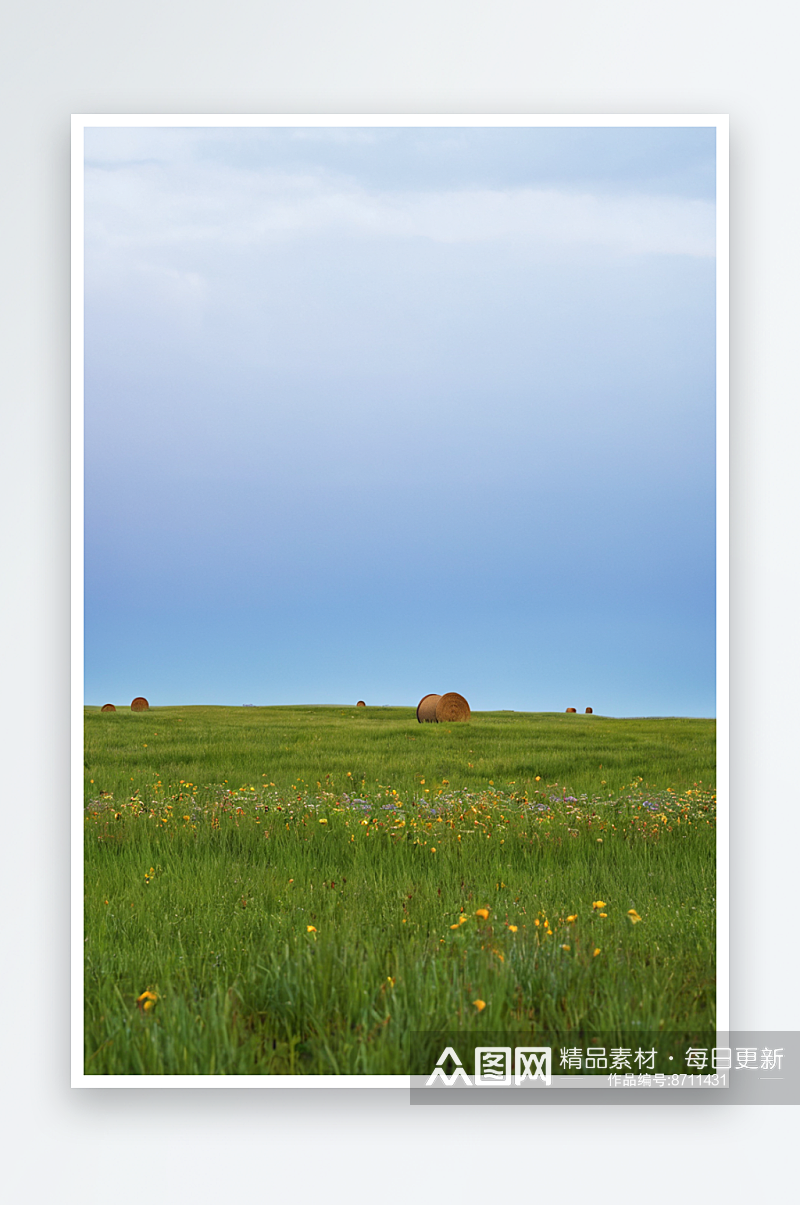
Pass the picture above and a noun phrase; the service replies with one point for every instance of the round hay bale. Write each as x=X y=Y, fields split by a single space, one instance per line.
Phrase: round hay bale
x=589 y=711
x=360 y=703
x=108 y=707
x=426 y=709
x=452 y=707
x=571 y=711
x=140 y=704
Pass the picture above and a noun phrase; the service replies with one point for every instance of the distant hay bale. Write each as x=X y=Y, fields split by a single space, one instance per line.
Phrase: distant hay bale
x=426 y=709
x=140 y=704
x=360 y=703
x=452 y=707
x=571 y=711
x=108 y=707
x=589 y=711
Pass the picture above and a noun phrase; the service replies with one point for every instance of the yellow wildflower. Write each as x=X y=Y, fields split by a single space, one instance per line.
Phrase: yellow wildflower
x=599 y=904
x=483 y=913
x=597 y=951
x=570 y=919
x=310 y=929
x=147 y=1001
x=480 y=1005
x=634 y=916
x=512 y=928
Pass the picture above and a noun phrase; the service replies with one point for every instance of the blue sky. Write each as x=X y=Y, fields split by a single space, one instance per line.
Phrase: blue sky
x=376 y=413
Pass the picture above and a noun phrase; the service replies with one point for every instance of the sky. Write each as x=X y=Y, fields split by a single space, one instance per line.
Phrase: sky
x=376 y=413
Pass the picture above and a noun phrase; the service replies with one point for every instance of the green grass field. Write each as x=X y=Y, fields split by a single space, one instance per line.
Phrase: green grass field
x=320 y=890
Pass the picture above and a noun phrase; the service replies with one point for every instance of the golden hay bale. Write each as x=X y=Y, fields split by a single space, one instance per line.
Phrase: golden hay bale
x=571 y=711
x=108 y=707
x=426 y=709
x=140 y=704
x=589 y=711
x=452 y=707
x=360 y=703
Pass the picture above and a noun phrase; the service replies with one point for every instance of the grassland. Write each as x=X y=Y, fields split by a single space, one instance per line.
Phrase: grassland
x=310 y=890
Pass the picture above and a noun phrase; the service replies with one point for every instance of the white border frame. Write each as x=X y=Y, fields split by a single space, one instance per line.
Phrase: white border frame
x=284 y=121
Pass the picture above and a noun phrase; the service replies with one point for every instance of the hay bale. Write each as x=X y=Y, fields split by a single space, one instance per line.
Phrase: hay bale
x=589 y=711
x=360 y=703
x=426 y=709
x=108 y=707
x=571 y=711
x=140 y=704
x=452 y=707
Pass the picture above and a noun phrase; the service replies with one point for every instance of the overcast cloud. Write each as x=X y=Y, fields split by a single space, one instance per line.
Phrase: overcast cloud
x=326 y=370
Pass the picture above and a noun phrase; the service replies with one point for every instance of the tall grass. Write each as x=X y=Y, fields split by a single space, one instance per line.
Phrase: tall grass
x=289 y=922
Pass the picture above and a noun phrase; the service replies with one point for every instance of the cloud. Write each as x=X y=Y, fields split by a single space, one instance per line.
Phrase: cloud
x=543 y=217
x=150 y=205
